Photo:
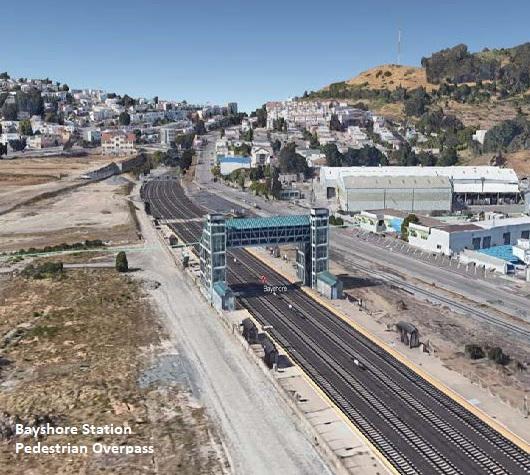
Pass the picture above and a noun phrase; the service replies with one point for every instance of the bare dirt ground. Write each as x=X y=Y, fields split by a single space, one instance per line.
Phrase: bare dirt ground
x=26 y=178
x=49 y=212
x=95 y=211
x=88 y=348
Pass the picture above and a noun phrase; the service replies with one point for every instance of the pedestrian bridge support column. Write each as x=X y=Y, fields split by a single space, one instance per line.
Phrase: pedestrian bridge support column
x=213 y=252
x=319 y=222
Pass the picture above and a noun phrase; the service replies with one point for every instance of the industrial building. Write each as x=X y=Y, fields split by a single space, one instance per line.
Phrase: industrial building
x=421 y=193
x=407 y=188
x=451 y=239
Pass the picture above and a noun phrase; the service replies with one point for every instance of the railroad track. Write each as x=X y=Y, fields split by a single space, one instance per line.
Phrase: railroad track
x=436 y=297
x=418 y=428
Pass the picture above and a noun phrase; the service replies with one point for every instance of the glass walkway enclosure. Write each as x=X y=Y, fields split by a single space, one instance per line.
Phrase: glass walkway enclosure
x=309 y=232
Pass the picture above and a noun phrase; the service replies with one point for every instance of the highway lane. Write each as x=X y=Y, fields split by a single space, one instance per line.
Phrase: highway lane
x=399 y=411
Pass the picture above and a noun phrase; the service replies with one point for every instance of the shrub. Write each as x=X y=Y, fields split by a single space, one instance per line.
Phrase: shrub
x=121 y=262
x=474 y=352
x=496 y=354
x=42 y=271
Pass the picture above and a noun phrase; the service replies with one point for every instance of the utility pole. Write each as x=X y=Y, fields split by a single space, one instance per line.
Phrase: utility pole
x=399 y=48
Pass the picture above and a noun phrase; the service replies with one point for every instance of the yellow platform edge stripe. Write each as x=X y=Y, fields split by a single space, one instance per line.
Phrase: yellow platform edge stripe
x=334 y=407
x=403 y=359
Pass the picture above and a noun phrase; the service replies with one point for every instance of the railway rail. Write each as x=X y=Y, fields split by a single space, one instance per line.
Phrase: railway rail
x=417 y=427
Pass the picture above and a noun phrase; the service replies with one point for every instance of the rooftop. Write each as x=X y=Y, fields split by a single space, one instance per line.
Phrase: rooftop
x=501 y=252
x=396 y=182
x=234 y=159
x=269 y=222
x=327 y=277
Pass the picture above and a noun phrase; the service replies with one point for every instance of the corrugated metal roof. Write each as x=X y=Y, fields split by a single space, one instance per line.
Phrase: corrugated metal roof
x=327 y=277
x=395 y=182
x=269 y=222
x=489 y=173
x=501 y=252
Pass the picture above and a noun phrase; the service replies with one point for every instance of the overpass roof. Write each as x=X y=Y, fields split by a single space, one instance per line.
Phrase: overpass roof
x=269 y=222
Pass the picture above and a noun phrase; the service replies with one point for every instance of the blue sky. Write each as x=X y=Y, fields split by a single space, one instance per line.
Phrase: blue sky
x=247 y=51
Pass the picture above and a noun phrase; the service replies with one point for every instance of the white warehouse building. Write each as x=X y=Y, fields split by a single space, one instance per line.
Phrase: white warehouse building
x=451 y=239
x=481 y=185
x=414 y=193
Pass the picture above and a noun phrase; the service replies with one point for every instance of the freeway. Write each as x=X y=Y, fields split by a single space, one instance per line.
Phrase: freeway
x=415 y=426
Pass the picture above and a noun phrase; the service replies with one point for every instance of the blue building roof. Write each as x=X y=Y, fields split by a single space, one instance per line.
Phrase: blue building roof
x=270 y=222
x=501 y=252
x=234 y=159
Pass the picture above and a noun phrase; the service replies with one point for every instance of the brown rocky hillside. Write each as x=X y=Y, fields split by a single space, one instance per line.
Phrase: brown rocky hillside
x=391 y=76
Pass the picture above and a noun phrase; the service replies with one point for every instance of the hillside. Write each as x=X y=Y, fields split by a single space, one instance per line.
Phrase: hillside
x=392 y=76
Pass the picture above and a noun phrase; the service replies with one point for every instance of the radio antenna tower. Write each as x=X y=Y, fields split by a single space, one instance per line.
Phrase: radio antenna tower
x=399 y=48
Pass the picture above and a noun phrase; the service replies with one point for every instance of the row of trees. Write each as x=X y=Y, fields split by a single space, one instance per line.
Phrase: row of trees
x=366 y=156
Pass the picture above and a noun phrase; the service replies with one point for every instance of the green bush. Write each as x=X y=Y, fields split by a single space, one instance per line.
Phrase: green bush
x=121 y=262
x=474 y=352
x=496 y=354
x=44 y=270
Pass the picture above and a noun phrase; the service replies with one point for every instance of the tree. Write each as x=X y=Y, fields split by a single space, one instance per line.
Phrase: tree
x=124 y=118
x=275 y=185
x=122 y=264
x=9 y=111
x=126 y=101
x=3 y=149
x=4 y=76
x=24 y=127
x=276 y=146
x=416 y=102
x=333 y=156
x=290 y=161
x=222 y=130
x=248 y=135
x=426 y=159
x=244 y=150
x=186 y=159
x=448 y=158
x=334 y=123
x=65 y=88
x=411 y=218
x=261 y=115
x=18 y=145
x=200 y=128
x=241 y=181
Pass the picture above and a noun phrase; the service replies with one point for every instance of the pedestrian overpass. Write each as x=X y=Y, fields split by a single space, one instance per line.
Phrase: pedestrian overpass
x=309 y=232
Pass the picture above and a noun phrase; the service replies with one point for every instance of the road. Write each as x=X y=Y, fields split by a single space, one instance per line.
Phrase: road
x=416 y=426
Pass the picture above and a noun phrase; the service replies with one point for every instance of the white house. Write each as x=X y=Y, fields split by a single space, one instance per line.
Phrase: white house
x=260 y=156
x=451 y=239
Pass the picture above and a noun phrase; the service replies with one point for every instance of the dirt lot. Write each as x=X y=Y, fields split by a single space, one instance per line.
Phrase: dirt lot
x=49 y=212
x=26 y=178
x=88 y=348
